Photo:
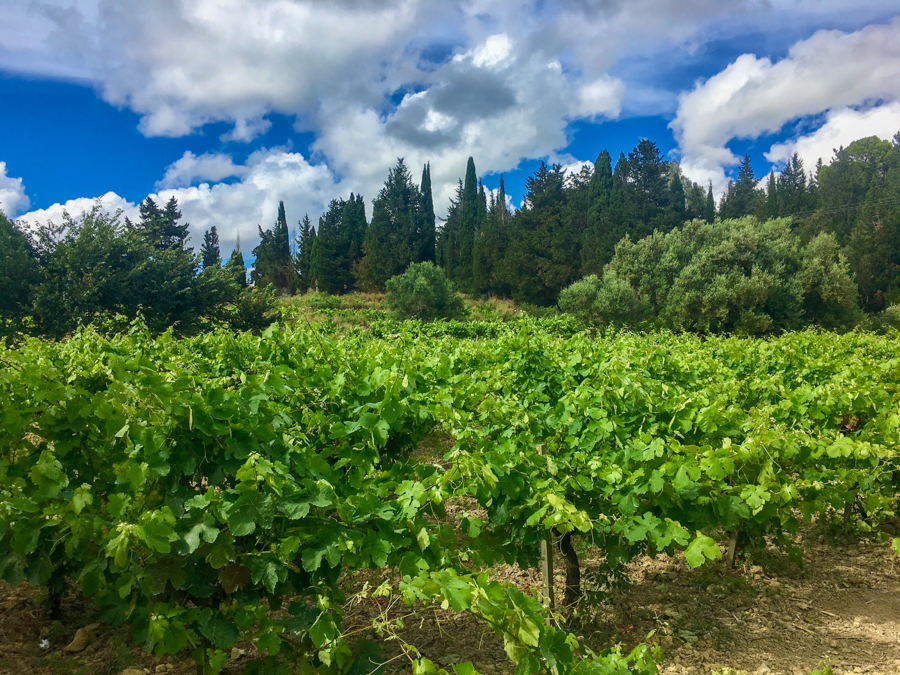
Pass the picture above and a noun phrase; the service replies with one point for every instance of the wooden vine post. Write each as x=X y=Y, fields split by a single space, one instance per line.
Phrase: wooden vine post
x=547 y=556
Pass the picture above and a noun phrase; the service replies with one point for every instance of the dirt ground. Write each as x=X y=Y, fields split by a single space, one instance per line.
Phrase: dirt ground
x=768 y=615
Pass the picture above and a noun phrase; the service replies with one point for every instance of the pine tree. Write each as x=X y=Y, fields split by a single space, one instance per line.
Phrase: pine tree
x=392 y=239
x=427 y=253
x=235 y=267
x=210 y=256
x=160 y=227
x=741 y=195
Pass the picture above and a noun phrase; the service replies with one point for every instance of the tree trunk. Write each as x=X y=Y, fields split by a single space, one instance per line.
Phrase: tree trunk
x=573 y=570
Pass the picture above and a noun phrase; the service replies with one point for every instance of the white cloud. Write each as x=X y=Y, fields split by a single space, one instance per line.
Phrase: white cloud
x=755 y=96
x=516 y=75
x=13 y=199
x=191 y=168
x=237 y=208
x=109 y=203
x=841 y=128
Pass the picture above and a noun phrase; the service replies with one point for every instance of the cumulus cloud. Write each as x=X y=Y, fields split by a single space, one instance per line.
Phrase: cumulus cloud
x=508 y=78
x=841 y=128
x=109 y=203
x=269 y=176
x=13 y=199
x=191 y=168
x=755 y=96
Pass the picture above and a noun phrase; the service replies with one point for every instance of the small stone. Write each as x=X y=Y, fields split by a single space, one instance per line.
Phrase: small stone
x=236 y=653
x=762 y=670
x=834 y=644
x=756 y=570
x=132 y=671
x=83 y=637
x=164 y=668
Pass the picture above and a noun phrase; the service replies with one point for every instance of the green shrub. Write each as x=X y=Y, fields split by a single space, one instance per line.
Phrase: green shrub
x=423 y=292
x=608 y=301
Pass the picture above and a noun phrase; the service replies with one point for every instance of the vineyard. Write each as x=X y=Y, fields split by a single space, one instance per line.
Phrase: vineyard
x=232 y=487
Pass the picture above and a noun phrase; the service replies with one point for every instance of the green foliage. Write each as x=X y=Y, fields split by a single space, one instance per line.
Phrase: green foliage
x=189 y=487
x=236 y=268
x=738 y=275
x=303 y=260
x=18 y=274
x=393 y=239
x=99 y=268
x=608 y=301
x=159 y=227
x=274 y=264
x=210 y=257
x=423 y=292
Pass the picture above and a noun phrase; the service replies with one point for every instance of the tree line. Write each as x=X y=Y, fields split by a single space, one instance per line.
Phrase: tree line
x=569 y=226
x=100 y=269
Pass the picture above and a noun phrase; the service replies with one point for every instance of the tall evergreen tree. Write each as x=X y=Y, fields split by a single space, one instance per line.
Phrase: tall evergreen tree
x=772 y=196
x=392 y=239
x=331 y=266
x=303 y=259
x=274 y=264
x=677 y=200
x=741 y=196
x=536 y=254
x=468 y=226
x=598 y=244
x=427 y=253
x=354 y=225
x=235 y=267
x=710 y=213
x=160 y=227
x=210 y=256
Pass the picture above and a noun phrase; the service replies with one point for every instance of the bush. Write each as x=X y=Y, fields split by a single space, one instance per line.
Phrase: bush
x=608 y=301
x=423 y=292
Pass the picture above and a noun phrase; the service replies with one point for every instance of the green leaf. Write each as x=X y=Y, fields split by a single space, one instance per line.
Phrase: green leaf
x=203 y=530
x=48 y=475
x=700 y=550
x=218 y=629
x=266 y=570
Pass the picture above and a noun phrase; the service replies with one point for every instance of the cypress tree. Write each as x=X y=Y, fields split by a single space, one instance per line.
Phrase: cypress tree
x=676 y=197
x=330 y=266
x=303 y=259
x=772 y=196
x=209 y=253
x=468 y=225
x=710 y=214
x=353 y=224
x=427 y=254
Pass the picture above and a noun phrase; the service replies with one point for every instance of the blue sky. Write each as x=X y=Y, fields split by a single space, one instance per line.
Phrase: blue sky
x=232 y=107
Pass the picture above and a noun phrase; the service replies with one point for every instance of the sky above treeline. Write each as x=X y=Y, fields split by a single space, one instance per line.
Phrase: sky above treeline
x=233 y=105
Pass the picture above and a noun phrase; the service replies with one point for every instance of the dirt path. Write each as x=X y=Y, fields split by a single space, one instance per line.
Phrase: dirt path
x=768 y=615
